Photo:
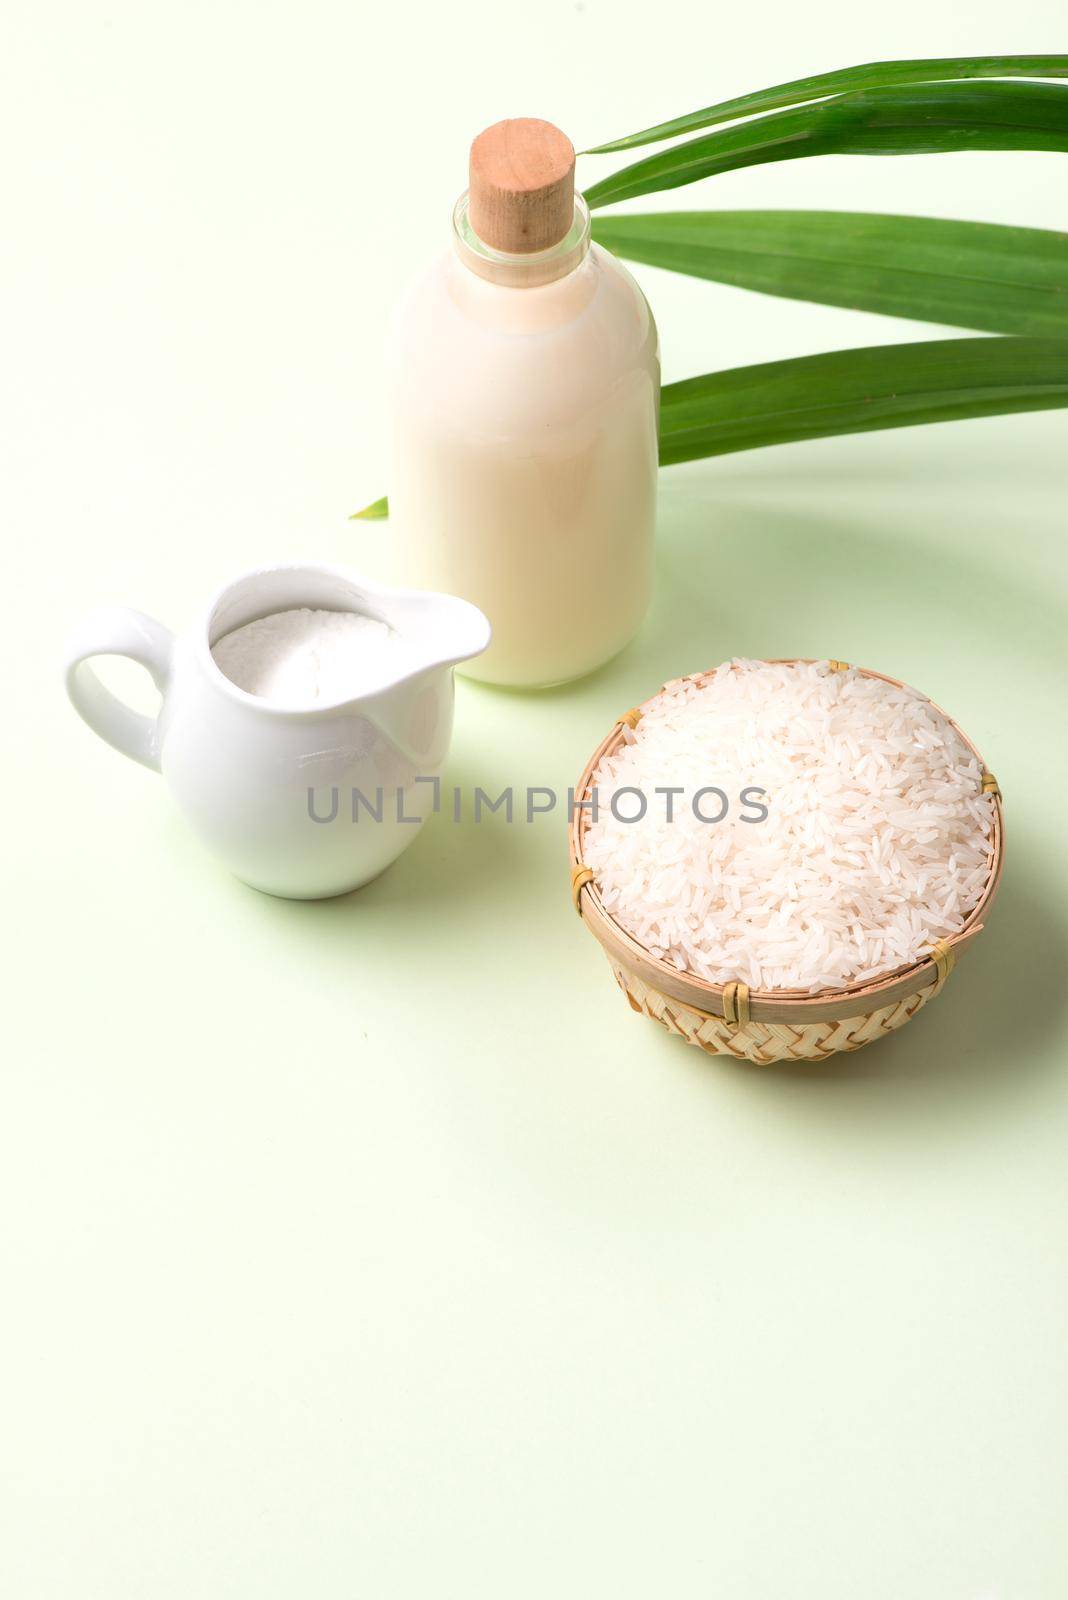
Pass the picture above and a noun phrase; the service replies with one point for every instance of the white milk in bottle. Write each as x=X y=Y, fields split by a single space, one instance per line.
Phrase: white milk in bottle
x=525 y=386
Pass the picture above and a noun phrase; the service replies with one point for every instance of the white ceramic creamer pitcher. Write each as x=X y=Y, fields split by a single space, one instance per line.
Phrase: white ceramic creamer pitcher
x=296 y=801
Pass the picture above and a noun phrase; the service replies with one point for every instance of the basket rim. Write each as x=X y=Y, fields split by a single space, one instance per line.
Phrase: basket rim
x=773 y=1005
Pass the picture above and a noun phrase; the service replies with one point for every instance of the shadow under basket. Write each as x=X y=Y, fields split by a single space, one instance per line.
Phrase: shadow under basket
x=763 y=1026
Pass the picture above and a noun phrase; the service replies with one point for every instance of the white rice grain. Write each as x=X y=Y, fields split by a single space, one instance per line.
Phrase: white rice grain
x=877 y=842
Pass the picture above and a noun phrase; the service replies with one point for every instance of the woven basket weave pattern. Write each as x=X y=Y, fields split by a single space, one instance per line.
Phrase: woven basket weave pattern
x=765 y=1042
x=718 y=1019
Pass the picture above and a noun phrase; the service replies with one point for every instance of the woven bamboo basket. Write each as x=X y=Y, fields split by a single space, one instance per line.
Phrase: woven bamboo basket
x=763 y=1026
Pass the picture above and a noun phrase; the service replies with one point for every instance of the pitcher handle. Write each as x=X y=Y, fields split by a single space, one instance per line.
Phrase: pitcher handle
x=117 y=631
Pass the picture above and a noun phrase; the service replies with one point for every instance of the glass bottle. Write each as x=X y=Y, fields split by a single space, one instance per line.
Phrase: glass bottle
x=525 y=387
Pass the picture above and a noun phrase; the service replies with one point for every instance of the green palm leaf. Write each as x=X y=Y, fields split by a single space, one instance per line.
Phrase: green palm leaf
x=375 y=512
x=967 y=274
x=854 y=391
x=873 y=75
x=931 y=119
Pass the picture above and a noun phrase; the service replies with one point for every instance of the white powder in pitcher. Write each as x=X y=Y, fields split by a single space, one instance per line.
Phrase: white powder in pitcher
x=304 y=657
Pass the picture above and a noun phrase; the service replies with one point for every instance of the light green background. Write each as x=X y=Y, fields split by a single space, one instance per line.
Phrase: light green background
x=374 y=1248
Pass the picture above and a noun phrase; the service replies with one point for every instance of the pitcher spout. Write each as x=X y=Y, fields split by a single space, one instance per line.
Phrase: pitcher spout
x=413 y=711
x=435 y=632
x=451 y=630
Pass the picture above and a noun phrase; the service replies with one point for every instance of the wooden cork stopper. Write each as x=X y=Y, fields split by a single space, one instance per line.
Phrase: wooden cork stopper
x=521 y=195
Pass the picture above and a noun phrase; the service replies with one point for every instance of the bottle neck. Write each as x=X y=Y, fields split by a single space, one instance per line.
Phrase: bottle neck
x=521 y=271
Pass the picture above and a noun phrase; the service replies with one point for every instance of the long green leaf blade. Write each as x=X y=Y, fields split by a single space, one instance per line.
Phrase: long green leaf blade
x=965 y=274
x=929 y=120
x=872 y=75
x=375 y=512
x=857 y=391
